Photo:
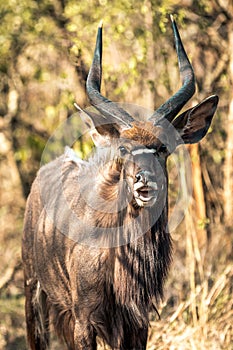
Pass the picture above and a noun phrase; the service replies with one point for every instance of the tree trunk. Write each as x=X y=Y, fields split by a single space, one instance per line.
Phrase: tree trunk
x=199 y=210
x=228 y=167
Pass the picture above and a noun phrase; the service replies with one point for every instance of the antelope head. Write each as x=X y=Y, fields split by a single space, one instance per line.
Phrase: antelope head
x=141 y=147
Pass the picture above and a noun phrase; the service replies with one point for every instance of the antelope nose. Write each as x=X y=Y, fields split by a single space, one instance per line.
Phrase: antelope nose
x=143 y=176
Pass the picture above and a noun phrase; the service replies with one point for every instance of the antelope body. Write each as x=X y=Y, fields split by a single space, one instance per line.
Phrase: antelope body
x=96 y=250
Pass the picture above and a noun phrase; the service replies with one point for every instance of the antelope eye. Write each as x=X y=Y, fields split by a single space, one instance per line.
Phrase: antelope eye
x=123 y=150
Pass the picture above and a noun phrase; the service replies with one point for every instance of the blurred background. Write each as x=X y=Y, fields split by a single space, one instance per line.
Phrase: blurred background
x=46 y=50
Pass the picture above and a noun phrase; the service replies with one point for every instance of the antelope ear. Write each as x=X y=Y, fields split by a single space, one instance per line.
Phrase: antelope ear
x=193 y=124
x=99 y=140
x=100 y=133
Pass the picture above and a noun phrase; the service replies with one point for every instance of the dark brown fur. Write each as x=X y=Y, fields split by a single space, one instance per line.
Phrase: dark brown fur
x=95 y=291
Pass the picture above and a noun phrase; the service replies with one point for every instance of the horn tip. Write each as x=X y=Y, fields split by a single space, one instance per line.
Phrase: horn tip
x=172 y=18
x=101 y=24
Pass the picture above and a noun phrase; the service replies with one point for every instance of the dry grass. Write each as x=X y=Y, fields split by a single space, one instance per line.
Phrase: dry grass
x=203 y=318
x=209 y=327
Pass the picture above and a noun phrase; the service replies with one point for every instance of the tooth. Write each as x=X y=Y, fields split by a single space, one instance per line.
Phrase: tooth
x=138 y=185
x=145 y=199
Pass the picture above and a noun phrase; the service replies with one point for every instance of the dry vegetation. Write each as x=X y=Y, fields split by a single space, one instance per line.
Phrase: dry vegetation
x=197 y=312
x=45 y=51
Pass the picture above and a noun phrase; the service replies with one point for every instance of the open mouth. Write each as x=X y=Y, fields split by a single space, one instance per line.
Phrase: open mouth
x=145 y=195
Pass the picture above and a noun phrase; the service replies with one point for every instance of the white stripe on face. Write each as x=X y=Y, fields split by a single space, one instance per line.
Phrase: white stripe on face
x=143 y=150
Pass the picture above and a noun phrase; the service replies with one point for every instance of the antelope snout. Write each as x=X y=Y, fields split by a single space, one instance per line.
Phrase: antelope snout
x=144 y=176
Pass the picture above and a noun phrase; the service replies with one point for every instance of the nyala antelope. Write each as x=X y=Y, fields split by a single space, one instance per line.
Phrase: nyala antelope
x=96 y=249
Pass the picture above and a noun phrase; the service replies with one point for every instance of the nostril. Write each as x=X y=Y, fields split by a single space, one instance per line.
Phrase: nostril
x=138 y=177
x=144 y=176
